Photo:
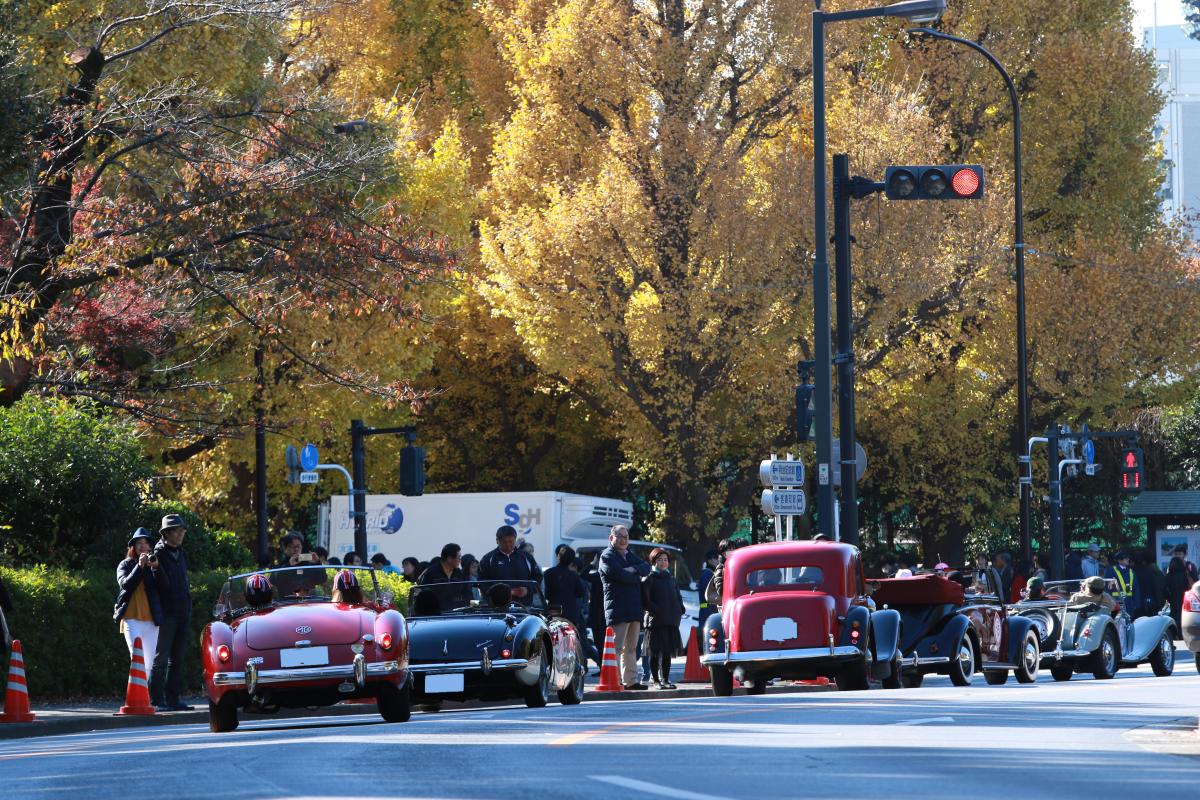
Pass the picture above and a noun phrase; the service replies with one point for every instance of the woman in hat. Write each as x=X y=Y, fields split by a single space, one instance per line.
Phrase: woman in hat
x=138 y=607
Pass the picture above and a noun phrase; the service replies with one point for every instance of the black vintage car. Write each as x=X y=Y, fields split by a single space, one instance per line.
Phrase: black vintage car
x=491 y=640
x=958 y=628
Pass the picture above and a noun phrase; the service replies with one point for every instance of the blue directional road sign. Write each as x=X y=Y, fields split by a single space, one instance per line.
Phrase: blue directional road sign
x=1089 y=452
x=309 y=458
x=775 y=472
x=784 y=502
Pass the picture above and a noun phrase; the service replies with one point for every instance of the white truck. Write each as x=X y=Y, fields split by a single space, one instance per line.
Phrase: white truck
x=399 y=526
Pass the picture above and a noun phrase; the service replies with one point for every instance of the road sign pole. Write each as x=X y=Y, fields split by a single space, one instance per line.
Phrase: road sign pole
x=1058 y=565
x=260 y=458
x=848 y=518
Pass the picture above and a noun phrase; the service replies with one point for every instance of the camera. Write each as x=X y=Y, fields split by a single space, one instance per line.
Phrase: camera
x=306 y=558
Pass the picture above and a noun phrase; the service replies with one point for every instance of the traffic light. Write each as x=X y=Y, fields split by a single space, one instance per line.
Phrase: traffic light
x=804 y=411
x=412 y=470
x=945 y=182
x=291 y=457
x=1133 y=473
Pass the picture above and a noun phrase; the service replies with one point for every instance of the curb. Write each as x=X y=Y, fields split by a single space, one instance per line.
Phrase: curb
x=63 y=723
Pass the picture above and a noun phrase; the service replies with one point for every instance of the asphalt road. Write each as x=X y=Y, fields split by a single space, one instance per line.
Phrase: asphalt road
x=1047 y=740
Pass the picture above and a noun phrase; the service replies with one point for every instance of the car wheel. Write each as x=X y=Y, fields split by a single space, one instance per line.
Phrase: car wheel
x=1062 y=672
x=722 y=681
x=393 y=703
x=1197 y=662
x=222 y=715
x=912 y=680
x=1104 y=660
x=1029 y=660
x=573 y=694
x=1162 y=660
x=894 y=680
x=995 y=677
x=538 y=695
x=962 y=668
x=853 y=676
x=759 y=686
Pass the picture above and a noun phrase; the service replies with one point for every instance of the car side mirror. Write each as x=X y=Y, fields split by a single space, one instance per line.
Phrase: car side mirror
x=385 y=599
x=220 y=611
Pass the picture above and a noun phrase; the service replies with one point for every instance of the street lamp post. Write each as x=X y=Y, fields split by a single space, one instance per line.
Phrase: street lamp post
x=1019 y=248
x=918 y=11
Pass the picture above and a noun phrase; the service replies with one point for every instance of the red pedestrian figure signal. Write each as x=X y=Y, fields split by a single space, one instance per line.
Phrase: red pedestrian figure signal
x=1133 y=473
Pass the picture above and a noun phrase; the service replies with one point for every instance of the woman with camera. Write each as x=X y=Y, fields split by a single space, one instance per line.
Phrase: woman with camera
x=139 y=607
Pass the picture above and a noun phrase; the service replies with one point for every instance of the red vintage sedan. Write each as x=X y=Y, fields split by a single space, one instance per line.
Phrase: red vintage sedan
x=304 y=636
x=798 y=610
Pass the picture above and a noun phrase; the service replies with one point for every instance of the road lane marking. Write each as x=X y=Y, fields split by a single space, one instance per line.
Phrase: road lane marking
x=576 y=738
x=924 y=720
x=653 y=788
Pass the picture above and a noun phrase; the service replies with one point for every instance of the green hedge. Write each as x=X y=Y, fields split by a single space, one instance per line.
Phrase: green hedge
x=72 y=646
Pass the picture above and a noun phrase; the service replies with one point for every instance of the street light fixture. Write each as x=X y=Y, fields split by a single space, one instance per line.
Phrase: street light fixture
x=917 y=11
x=1056 y=555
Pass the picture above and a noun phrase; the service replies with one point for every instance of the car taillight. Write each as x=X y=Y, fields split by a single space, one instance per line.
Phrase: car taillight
x=385 y=641
x=712 y=641
x=1087 y=632
x=223 y=654
x=854 y=636
x=506 y=653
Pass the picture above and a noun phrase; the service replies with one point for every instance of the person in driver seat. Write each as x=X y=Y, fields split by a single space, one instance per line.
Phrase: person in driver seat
x=1091 y=590
x=347 y=589
x=259 y=591
x=500 y=596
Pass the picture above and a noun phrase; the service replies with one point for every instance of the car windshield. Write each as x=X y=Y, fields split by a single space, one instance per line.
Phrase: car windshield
x=790 y=577
x=475 y=597
x=295 y=585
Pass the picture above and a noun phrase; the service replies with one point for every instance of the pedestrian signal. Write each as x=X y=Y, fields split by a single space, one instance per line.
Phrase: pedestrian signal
x=1133 y=472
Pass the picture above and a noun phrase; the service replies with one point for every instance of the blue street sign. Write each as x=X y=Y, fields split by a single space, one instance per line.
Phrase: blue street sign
x=1089 y=452
x=784 y=502
x=309 y=458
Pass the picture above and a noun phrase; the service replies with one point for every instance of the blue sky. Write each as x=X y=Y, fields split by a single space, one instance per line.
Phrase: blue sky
x=1170 y=12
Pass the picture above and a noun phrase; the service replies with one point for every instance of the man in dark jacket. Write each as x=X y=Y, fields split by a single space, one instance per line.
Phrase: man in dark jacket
x=621 y=573
x=173 y=635
x=446 y=570
x=507 y=563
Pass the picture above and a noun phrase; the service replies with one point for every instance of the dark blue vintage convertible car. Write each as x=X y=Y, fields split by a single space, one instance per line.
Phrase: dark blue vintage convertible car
x=491 y=640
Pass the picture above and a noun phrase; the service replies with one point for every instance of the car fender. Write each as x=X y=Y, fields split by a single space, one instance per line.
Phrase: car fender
x=709 y=645
x=855 y=615
x=885 y=634
x=1018 y=627
x=1147 y=631
x=392 y=621
x=529 y=643
x=217 y=634
x=1095 y=627
x=945 y=641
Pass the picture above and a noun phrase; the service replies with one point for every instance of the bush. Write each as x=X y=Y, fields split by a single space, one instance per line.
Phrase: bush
x=72 y=646
x=70 y=479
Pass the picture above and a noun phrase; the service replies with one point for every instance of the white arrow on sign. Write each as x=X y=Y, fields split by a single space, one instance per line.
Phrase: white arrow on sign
x=310 y=477
x=775 y=472
x=784 y=502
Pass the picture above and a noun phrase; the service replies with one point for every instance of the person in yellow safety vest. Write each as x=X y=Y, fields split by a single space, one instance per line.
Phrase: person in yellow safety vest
x=1128 y=592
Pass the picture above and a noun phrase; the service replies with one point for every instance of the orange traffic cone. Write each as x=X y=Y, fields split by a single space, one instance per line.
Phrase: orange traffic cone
x=692 y=671
x=137 y=693
x=610 y=678
x=16 y=696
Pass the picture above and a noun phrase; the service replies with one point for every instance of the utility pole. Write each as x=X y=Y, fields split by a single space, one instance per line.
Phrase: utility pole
x=260 y=455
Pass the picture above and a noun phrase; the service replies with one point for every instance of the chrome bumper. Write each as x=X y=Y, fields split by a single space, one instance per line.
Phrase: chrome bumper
x=1059 y=655
x=341 y=671
x=917 y=661
x=801 y=654
x=467 y=666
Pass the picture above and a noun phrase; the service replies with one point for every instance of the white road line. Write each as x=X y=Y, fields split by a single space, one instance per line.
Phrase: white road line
x=652 y=788
x=924 y=720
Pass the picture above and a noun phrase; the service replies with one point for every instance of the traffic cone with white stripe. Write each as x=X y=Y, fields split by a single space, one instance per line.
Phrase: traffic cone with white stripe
x=137 y=692
x=16 y=696
x=610 y=678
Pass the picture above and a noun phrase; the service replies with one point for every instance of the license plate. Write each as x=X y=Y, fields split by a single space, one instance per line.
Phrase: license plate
x=304 y=657
x=438 y=684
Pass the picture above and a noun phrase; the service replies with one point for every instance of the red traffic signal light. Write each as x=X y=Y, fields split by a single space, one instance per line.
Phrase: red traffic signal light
x=946 y=182
x=1133 y=472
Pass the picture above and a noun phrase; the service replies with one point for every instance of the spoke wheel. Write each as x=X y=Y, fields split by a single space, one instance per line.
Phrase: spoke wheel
x=573 y=694
x=538 y=695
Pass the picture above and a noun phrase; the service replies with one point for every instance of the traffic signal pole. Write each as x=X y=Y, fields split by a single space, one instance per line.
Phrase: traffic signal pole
x=358 y=464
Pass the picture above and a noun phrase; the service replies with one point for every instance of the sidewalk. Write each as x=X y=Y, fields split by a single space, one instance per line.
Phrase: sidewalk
x=64 y=718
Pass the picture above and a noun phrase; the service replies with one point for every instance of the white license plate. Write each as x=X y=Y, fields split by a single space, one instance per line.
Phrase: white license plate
x=304 y=657
x=437 y=684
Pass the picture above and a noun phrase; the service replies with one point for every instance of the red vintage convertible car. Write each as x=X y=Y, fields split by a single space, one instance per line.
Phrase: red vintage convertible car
x=799 y=610
x=304 y=636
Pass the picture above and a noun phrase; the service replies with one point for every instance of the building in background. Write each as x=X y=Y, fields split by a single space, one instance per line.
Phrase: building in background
x=1177 y=57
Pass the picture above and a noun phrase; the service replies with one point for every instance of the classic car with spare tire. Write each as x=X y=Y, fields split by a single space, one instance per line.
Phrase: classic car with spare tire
x=303 y=636
x=797 y=611
x=1081 y=636
x=491 y=640
x=958 y=628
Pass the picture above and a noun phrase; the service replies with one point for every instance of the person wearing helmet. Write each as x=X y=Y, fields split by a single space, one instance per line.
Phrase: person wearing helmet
x=941 y=568
x=259 y=591
x=346 y=588
x=1035 y=589
x=1091 y=590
